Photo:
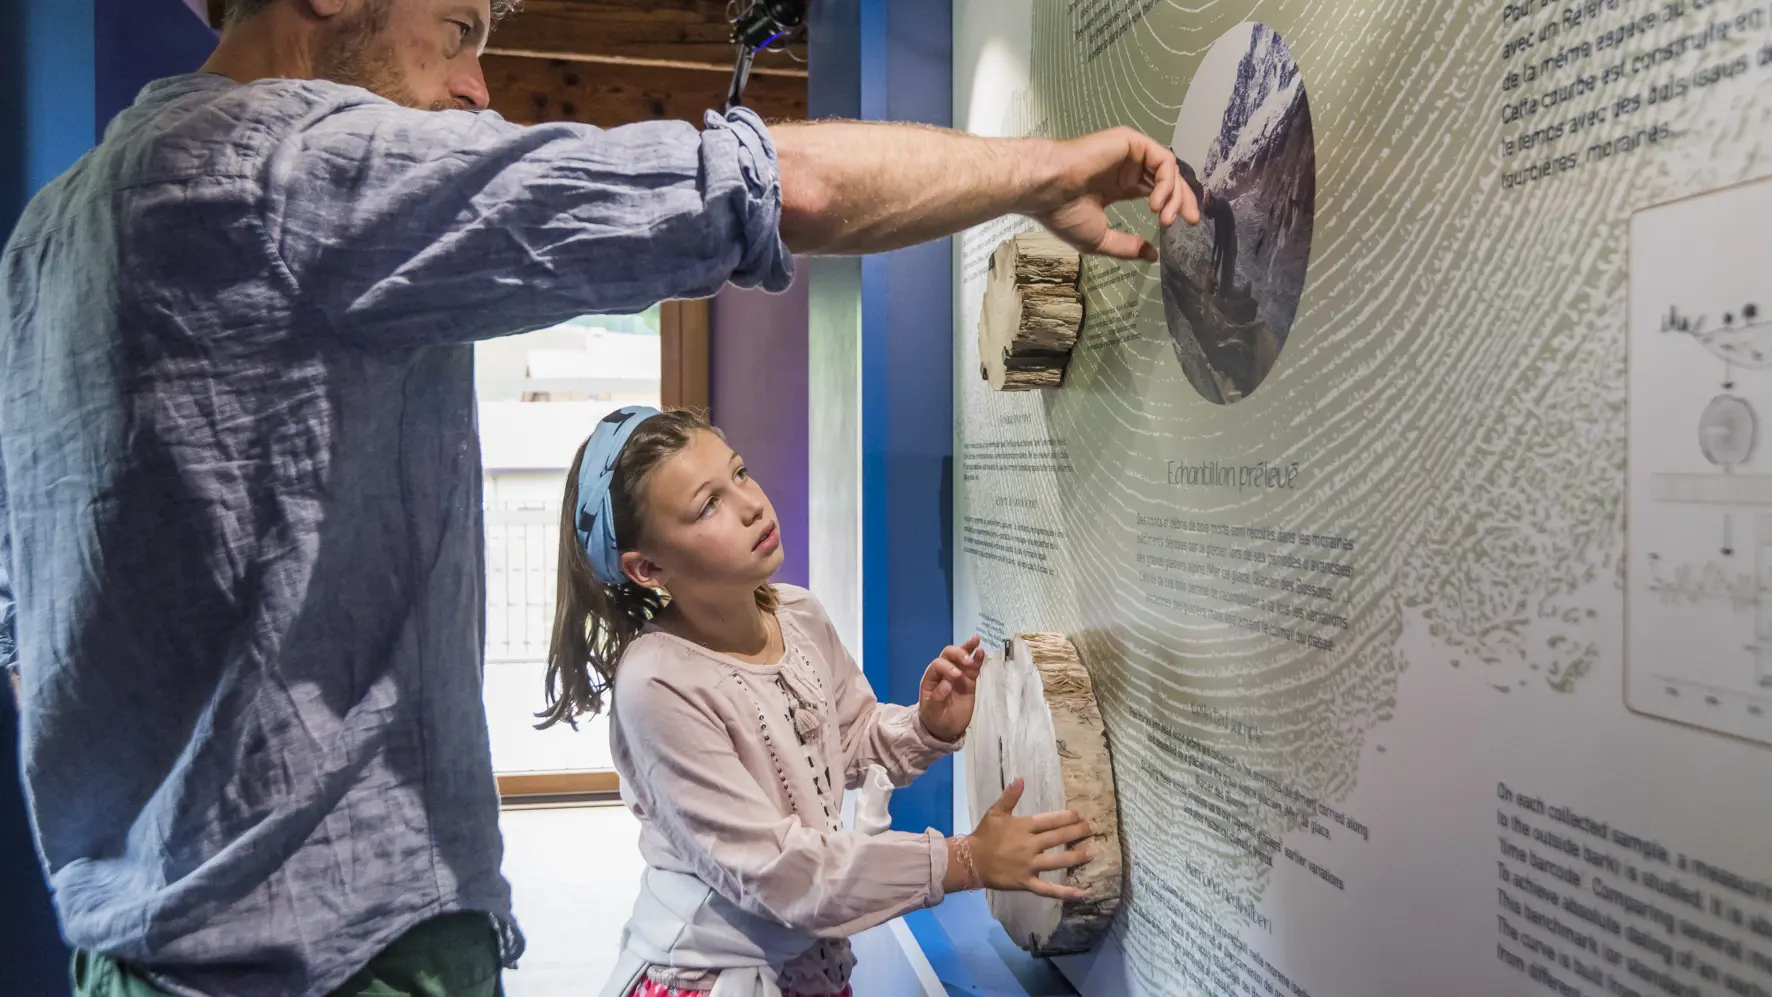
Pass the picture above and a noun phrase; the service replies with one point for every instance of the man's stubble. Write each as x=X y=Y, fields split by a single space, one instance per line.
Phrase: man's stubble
x=361 y=54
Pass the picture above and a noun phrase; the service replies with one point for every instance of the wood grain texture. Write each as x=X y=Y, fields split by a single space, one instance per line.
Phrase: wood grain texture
x=683 y=31
x=534 y=91
x=1036 y=718
x=683 y=354
x=1032 y=315
x=515 y=785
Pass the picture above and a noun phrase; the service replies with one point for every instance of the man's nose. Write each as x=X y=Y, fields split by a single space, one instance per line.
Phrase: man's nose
x=468 y=87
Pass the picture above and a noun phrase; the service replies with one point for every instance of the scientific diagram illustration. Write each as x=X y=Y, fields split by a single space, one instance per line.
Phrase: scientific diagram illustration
x=1699 y=601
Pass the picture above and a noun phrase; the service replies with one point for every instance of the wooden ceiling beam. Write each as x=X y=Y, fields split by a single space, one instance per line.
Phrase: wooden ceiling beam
x=622 y=60
x=532 y=91
x=660 y=33
x=612 y=62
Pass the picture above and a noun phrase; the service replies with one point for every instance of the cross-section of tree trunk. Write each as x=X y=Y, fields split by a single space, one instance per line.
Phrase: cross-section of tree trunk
x=1033 y=313
x=1036 y=717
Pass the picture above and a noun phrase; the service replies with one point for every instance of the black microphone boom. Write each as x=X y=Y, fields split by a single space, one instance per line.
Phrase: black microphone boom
x=763 y=24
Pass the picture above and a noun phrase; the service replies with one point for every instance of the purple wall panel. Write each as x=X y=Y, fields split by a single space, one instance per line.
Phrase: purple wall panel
x=757 y=391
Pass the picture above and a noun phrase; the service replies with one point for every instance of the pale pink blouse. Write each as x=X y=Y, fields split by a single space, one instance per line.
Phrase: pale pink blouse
x=736 y=772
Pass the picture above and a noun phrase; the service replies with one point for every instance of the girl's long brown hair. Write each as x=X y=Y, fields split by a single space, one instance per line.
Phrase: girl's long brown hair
x=594 y=623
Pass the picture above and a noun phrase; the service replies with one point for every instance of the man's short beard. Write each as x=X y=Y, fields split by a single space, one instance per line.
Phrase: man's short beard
x=360 y=53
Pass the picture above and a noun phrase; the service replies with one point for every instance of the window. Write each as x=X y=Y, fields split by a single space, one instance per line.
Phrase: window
x=540 y=394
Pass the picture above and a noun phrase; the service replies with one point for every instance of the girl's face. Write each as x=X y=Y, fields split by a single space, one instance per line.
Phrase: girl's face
x=707 y=525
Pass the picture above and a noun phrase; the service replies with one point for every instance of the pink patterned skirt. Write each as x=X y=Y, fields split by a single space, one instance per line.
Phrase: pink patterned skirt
x=647 y=988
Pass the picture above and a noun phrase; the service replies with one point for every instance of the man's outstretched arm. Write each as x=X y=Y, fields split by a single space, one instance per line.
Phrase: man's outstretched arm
x=863 y=187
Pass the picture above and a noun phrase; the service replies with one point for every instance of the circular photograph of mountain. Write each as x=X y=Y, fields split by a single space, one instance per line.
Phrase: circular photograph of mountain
x=1231 y=283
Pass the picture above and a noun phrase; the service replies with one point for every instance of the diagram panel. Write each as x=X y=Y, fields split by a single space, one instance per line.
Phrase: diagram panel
x=1700 y=523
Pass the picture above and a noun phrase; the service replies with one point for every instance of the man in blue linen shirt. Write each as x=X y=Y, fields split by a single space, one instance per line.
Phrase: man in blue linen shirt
x=241 y=585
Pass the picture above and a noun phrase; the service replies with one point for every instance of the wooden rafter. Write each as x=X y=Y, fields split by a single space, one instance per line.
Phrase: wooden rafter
x=681 y=34
x=532 y=91
x=613 y=62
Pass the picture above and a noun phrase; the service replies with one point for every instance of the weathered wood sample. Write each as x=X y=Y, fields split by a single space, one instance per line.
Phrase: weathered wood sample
x=1033 y=313
x=1036 y=718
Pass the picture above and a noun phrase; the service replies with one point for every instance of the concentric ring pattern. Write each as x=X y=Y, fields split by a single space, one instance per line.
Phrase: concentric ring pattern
x=1450 y=404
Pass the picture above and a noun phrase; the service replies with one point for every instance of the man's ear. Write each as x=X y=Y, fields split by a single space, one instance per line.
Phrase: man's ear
x=641 y=571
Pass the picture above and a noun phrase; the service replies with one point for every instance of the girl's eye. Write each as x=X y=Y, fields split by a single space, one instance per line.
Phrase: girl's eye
x=743 y=474
x=707 y=509
x=466 y=30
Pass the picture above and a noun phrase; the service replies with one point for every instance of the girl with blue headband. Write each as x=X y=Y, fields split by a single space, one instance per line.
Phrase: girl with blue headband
x=737 y=723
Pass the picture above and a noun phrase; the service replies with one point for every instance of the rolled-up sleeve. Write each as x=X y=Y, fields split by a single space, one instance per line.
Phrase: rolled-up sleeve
x=409 y=227
x=874 y=733
x=885 y=734
x=720 y=821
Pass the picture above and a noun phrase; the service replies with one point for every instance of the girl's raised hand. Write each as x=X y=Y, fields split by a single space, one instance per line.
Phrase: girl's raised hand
x=1010 y=852
x=950 y=686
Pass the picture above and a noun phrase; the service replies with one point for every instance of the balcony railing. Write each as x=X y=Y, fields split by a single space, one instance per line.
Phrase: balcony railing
x=522 y=558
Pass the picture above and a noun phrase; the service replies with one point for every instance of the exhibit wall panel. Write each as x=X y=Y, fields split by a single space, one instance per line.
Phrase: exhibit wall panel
x=1409 y=515
x=834 y=331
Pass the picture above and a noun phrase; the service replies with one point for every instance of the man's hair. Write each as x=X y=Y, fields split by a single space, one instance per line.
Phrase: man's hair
x=240 y=10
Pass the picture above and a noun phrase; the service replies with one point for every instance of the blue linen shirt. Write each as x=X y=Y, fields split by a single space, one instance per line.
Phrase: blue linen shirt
x=242 y=554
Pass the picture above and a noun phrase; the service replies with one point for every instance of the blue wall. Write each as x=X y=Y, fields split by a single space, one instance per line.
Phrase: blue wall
x=893 y=60
x=50 y=96
x=53 y=58
x=49 y=93
x=888 y=60
x=137 y=41
x=68 y=65
x=907 y=397
x=903 y=56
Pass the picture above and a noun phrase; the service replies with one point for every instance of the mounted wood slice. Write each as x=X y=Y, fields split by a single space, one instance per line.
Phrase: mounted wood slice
x=1035 y=717
x=1033 y=313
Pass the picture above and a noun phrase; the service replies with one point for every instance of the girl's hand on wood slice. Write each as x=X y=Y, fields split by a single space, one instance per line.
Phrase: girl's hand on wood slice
x=949 y=691
x=1010 y=852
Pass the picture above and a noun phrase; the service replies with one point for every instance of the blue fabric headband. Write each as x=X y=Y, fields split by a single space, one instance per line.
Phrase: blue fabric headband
x=595 y=521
